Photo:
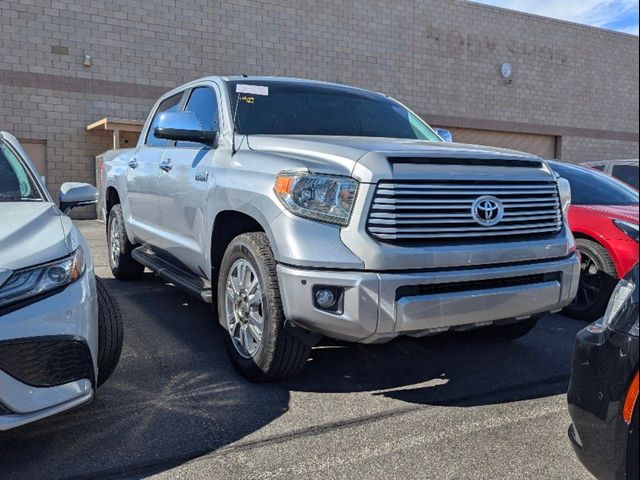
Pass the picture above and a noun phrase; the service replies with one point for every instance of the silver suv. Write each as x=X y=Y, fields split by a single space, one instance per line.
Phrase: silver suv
x=301 y=209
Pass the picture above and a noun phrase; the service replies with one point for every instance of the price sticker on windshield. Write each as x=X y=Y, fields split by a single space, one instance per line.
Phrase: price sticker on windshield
x=252 y=89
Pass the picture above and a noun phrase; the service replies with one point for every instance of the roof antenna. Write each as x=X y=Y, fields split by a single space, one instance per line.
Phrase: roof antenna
x=233 y=134
x=244 y=75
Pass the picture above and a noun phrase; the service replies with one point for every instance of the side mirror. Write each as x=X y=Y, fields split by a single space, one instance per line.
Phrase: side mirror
x=74 y=194
x=444 y=135
x=183 y=127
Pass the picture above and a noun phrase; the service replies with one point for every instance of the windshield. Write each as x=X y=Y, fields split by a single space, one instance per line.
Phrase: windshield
x=590 y=187
x=16 y=183
x=295 y=108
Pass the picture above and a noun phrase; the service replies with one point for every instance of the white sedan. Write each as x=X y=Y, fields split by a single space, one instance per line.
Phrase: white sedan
x=56 y=344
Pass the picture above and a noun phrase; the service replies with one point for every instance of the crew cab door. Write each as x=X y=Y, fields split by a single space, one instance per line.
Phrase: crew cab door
x=143 y=217
x=186 y=176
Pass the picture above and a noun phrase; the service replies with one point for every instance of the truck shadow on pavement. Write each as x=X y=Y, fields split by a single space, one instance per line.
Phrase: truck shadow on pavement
x=449 y=369
x=175 y=395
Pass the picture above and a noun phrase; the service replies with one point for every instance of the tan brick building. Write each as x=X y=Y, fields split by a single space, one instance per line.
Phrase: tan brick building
x=573 y=93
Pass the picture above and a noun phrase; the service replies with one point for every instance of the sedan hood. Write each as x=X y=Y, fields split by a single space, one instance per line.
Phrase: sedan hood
x=628 y=213
x=31 y=233
x=364 y=157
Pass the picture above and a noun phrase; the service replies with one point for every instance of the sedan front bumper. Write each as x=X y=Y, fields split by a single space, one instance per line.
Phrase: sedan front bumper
x=48 y=354
x=377 y=307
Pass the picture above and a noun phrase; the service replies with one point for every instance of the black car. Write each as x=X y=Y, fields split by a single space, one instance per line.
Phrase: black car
x=603 y=392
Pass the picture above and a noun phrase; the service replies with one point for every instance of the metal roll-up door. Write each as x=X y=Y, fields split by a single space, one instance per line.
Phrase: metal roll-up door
x=542 y=145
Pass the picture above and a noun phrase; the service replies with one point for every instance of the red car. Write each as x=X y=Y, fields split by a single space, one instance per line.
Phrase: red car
x=604 y=219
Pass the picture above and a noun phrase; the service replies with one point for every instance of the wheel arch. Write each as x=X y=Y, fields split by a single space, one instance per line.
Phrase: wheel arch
x=111 y=198
x=595 y=237
x=227 y=225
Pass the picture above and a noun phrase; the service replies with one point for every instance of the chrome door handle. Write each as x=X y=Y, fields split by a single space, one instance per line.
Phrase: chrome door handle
x=133 y=164
x=166 y=165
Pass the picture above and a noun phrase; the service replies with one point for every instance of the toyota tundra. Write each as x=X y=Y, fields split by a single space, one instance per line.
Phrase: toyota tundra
x=302 y=209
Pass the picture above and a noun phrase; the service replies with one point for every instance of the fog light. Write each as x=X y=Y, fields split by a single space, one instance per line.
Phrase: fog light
x=325 y=298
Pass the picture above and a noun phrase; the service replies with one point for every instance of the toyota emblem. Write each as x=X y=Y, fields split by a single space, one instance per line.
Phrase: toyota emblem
x=487 y=210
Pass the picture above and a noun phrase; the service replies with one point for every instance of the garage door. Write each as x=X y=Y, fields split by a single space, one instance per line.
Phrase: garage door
x=541 y=145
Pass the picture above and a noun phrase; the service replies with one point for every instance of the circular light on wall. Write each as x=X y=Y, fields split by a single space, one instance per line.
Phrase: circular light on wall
x=506 y=70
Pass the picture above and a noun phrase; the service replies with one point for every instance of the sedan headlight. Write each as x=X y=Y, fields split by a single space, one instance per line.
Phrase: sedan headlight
x=324 y=198
x=616 y=316
x=564 y=190
x=33 y=281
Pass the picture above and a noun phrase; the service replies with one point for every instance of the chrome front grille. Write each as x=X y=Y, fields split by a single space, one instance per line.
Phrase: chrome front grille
x=441 y=210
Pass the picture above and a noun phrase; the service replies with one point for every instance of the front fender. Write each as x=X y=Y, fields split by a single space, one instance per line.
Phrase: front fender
x=244 y=183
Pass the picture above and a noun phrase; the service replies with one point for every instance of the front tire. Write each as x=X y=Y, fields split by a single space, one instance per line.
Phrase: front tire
x=110 y=333
x=261 y=347
x=598 y=278
x=123 y=266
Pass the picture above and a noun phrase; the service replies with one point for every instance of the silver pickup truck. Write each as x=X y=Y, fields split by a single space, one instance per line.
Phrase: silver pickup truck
x=300 y=209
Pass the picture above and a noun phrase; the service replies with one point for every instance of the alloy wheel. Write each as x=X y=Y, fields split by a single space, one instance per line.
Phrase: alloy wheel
x=244 y=308
x=114 y=242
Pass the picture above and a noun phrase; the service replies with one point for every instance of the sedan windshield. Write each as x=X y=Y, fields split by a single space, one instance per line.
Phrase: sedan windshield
x=590 y=187
x=295 y=108
x=16 y=182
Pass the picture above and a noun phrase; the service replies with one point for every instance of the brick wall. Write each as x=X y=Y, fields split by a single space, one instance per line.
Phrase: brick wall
x=580 y=149
x=440 y=58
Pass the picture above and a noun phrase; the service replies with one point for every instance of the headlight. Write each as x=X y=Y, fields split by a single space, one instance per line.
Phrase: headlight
x=631 y=229
x=32 y=281
x=324 y=198
x=564 y=190
x=616 y=313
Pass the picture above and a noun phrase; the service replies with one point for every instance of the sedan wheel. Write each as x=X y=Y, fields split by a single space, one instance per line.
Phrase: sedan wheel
x=598 y=278
x=591 y=281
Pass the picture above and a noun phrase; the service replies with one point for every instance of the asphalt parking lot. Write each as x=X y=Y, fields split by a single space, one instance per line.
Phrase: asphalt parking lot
x=444 y=407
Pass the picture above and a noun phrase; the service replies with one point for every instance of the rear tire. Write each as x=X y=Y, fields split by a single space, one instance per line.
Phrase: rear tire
x=598 y=278
x=261 y=347
x=503 y=333
x=123 y=266
x=110 y=333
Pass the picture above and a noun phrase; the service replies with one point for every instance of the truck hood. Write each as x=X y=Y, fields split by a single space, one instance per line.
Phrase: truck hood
x=342 y=155
x=31 y=233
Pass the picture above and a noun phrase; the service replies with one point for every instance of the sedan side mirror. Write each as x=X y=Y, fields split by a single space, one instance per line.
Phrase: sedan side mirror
x=183 y=127
x=444 y=135
x=74 y=194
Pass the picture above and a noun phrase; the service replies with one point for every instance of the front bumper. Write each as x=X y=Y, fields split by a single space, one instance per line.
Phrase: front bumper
x=603 y=366
x=54 y=338
x=380 y=306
